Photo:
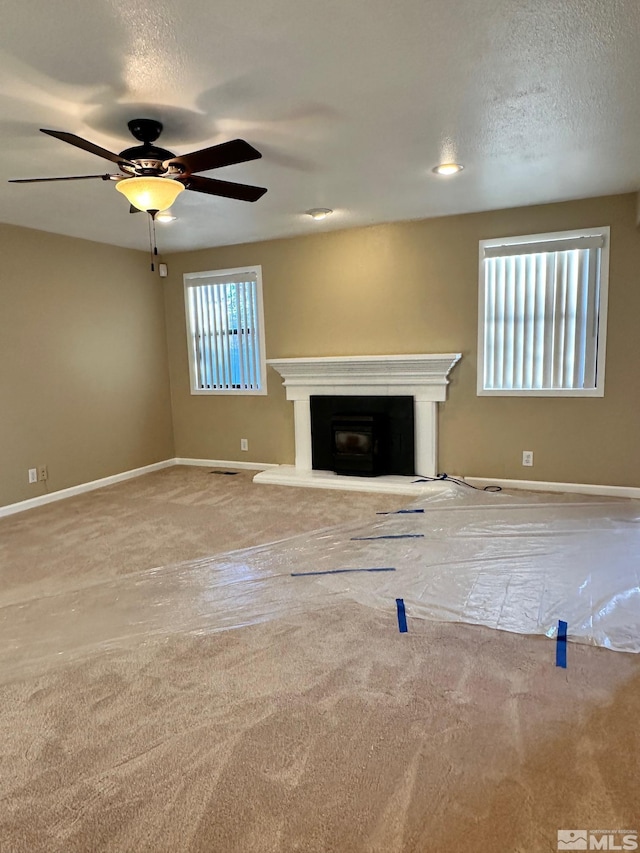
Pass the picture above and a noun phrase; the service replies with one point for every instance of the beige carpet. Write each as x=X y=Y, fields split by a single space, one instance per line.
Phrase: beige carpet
x=327 y=731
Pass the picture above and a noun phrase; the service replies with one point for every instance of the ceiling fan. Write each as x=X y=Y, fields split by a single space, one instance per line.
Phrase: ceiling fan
x=153 y=177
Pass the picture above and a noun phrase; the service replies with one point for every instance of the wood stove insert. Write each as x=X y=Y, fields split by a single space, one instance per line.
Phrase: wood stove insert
x=363 y=435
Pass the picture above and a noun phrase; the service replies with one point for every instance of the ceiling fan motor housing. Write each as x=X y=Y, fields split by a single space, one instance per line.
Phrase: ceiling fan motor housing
x=149 y=160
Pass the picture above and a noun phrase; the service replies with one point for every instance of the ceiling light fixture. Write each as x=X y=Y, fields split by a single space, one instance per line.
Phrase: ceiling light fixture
x=319 y=213
x=447 y=169
x=150 y=194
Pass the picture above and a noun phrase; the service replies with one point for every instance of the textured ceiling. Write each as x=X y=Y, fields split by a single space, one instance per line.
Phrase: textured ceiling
x=351 y=104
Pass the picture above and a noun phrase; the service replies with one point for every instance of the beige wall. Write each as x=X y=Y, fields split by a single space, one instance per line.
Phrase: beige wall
x=408 y=288
x=83 y=365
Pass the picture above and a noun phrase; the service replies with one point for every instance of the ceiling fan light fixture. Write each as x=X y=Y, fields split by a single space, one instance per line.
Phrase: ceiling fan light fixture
x=148 y=193
x=447 y=169
x=319 y=213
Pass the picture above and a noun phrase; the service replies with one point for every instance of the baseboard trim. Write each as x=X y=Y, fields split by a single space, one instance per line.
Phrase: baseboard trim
x=528 y=485
x=544 y=486
x=224 y=463
x=62 y=494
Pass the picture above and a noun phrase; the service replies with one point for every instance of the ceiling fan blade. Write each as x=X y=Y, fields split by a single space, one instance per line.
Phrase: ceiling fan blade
x=70 y=178
x=225 y=154
x=79 y=142
x=133 y=209
x=242 y=192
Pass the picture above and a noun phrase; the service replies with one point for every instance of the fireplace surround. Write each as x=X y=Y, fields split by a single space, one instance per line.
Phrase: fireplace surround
x=392 y=426
x=423 y=377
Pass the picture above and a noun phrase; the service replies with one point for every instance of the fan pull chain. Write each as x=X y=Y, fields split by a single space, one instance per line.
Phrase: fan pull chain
x=151 y=243
x=155 y=245
x=153 y=248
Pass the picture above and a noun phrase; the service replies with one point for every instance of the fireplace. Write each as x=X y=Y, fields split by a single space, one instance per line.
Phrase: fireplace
x=423 y=378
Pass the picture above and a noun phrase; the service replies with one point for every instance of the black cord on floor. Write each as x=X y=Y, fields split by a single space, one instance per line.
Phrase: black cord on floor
x=459 y=482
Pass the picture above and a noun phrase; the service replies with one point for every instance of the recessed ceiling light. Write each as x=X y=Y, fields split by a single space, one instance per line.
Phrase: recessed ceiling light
x=165 y=217
x=447 y=169
x=318 y=213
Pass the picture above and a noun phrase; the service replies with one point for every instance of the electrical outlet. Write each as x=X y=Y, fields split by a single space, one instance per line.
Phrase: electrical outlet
x=244 y=444
x=42 y=472
x=527 y=458
x=33 y=475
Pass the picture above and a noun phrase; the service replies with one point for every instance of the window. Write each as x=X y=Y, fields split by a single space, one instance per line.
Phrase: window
x=225 y=331
x=542 y=314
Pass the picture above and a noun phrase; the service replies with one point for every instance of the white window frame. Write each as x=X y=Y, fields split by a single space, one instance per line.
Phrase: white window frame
x=197 y=279
x=601 y=331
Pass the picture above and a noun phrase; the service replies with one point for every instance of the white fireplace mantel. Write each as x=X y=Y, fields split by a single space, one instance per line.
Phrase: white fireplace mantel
x=423 y=377
x=420 y=376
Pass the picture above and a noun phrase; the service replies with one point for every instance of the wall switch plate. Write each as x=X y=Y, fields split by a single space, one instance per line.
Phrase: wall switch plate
x=33 y=475
x=244 y=444
x=527 y=458
x=163 y=270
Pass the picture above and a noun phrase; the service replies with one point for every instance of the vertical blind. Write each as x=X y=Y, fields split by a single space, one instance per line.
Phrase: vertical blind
x=541 y=310
x=224 y=324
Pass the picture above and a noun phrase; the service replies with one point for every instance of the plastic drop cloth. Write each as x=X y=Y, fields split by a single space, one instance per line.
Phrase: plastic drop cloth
x=516 y=563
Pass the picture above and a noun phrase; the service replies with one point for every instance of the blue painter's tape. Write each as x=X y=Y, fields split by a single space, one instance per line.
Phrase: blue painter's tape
x=402 y=616
x=389 y=536
x=340 y=572
x=561 y=645
x=400 y=512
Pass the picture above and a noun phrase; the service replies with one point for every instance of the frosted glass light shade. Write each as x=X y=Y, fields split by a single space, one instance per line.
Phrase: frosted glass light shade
x=150 y=193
